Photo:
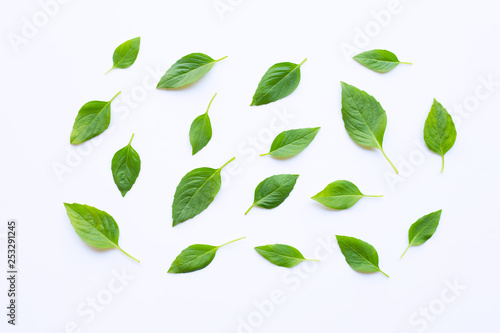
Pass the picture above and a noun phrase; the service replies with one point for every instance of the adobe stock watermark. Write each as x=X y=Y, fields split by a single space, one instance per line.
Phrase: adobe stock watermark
x=31 y=26
x=223 y=7
x=407 y=165
x=292 y=280
x=254 y=145
x=421 y=319
x=88 y=309
x=380 y=19
x=121 y=108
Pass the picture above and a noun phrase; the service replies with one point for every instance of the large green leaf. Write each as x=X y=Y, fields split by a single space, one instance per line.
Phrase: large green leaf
x=92 y=119
x=126 y=53
x=290 y=143
x=187 y=70
x=282 y=255
x=360 y=255
x=126 y=165
x=340 y=194
x=380 y=61
x=195 y=192
x=423 y=229
x=272 y=191
x=95 y=227
x=364 y=118
x=278 y=82
x=439 y=131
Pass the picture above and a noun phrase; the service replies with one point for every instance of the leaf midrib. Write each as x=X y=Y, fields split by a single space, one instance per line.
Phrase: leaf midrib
x=418 y=234
x=289 y=144
x=126 y=54
x=93 y=120
x=267 y=92
x=256 y=203
x=115 y=244
x=359 y=254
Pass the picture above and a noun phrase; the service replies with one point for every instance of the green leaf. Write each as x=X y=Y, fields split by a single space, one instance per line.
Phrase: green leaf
x=125 y=54
x=439 y=131
x=340 y=194
x=187 y=70
x=195 y=257
x=272 y=191
x=200 y=132
x=381 y=61
x=290 y=143
x=278 y=82
x=195 y=192
x=364 y=118
x=282 y=255
x=92 y=119
x=126 y=165
x=423 y=229
x=95 y=227
x=360 y=255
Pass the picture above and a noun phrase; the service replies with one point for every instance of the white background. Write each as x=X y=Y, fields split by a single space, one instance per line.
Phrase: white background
x=454 y=48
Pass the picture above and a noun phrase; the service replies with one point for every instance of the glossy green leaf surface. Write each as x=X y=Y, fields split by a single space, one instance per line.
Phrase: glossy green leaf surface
x=439 y=131
x=195 y=192
x=381 y=61
x=290 y=143
x=272 y=191
x=364 y=118
x=423 y=229
x=340 y=194
x=200 y=132
x=125 y=166
x=187 y=70
x=360 y=255
x=92 y=119
x=95 y=227
x=282 y=255
x=126 y=53
x=278 y=82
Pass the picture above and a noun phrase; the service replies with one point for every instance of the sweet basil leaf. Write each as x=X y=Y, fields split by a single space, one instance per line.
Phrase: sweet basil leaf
x=282 y=255
x=126 y=53
x=423 y=229
x=200 y=132
x=92 y=119
x=195 y=257
x=195 y=192
x=278 y=82
x=364 y=118
x=439 y=131
x=272 y=191
x=95 y=227
x=381 y=61
x=340 y=194
x=360 y=255
x=187 y=70
x=126 y=165
x=290 y=143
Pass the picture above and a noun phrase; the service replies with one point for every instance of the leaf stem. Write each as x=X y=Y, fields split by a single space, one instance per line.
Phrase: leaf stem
x=110 y=69
x=128 y=255
x=265 y=154
x=406 y=63
x=388 y=160
x=231 y=241
x=302 y=62
x=383 y=273
x=227 y=163
x=221 y=59
x=405 y=251
x=131 y=139
x=312 y=260
x=372 y=196
x=118 y=93
x=210 y=103
x=249 y=209
x=442 y=164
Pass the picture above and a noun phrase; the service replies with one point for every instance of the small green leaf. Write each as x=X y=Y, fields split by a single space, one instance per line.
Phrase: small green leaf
x=278 y=82
x=126 y=165
x=92 y=119
x=360 y=255
x=423 y=229
x=195 y=192
x=195 y=257
x=290 y=143
x=272 y=191
x=340 y=194
x=282 y=255
x=200 y=132
x=95 y=227
x=187 y=70
x=125 y=54
x=381 y=61
x=364 y=118
x=439 y=131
